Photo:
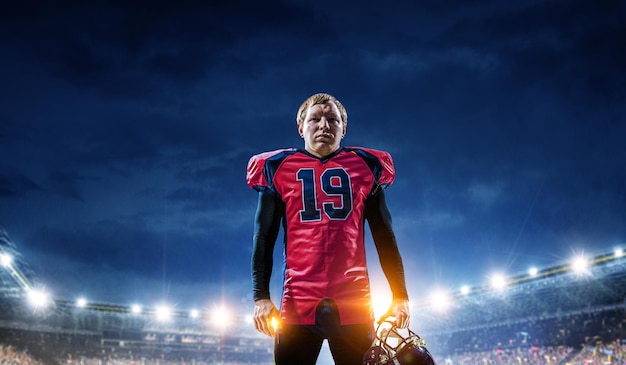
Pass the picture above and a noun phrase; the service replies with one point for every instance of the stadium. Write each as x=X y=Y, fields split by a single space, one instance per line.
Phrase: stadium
x=568 y=313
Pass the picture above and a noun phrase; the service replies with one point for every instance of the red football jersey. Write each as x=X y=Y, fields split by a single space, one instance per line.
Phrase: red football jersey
x=324 y=205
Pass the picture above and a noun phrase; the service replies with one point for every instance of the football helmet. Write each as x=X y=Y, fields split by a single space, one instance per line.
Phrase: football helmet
x=393 y=346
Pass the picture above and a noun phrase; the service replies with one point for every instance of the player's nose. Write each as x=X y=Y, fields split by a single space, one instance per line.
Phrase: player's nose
x=324 y=123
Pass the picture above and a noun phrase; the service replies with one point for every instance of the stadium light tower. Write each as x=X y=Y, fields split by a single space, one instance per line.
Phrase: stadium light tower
x=440 y=301
x=220 y=317
x=135 y=308
x=465 y=289
x=498 y=281
x=533 y=271
x=6 y=260
x=580 y=265
x=163 y=313
x=81 y=302
x=38 y=298
x=618 y=252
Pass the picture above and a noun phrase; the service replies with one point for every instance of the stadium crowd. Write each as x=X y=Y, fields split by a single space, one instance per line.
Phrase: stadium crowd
x=594 y=338
x=51 y=348
x=613 y=353
x=9 y=355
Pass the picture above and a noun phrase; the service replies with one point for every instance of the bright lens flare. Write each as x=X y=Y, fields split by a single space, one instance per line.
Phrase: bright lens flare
x=580 y=265
x=440 y=301
x=465 y=290
x=380 y=305
x=81 y=302
x=6 y=260
x=498 y=282
x=38 y=298
x=221 y=317
x=275 y=324
x=163 y=313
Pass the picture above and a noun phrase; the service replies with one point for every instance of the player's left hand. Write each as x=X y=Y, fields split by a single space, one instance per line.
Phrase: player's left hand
x=399 y=309
x=264 y=311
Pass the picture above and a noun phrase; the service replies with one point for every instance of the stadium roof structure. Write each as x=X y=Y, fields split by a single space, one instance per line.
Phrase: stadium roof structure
x=553 y=292
x=10 y=285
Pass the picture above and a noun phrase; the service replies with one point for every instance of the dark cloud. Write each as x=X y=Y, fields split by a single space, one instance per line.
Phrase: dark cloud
x=554 y=46
x=141 y=50
x=16 y=185
x=66 y=183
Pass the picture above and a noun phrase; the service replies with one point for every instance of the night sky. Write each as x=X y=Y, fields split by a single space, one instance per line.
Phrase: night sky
x=126 y=127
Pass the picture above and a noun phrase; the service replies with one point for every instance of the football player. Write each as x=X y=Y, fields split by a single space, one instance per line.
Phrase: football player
x=323 y=194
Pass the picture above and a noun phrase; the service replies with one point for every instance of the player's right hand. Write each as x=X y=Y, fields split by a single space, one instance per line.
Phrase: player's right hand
x=264 y=312
x=399 y=309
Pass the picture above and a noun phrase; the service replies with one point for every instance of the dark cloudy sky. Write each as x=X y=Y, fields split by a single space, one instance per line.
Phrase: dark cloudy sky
x=126 y=127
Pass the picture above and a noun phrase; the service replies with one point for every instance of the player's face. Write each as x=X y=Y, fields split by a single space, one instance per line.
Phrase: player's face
x=322 y=129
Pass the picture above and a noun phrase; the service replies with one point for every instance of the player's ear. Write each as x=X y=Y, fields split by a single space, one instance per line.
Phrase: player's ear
x=299 y=126
x=345 y=129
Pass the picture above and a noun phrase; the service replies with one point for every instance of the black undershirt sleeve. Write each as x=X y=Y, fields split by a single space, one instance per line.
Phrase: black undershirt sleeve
x=266 y=227
x=379 y=219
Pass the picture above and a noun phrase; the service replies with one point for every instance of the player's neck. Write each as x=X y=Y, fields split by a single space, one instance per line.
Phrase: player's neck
x=321 y=154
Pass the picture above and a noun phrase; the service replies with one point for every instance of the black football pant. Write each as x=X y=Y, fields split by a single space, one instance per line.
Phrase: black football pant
x=301 y=344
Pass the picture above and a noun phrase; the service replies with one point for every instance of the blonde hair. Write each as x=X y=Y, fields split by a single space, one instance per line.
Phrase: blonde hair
x=320 y=98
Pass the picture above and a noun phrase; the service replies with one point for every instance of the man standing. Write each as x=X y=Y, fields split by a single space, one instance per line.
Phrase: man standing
x=323 y=194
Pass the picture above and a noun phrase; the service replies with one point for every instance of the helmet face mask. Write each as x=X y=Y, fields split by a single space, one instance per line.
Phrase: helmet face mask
x=397 y=347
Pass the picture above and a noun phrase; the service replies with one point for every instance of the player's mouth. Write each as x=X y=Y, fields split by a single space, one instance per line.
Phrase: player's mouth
x=326 y=135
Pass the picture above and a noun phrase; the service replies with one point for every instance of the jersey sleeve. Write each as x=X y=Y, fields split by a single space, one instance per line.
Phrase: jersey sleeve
x=258 y=177
x=380 y=162
x=379 y=219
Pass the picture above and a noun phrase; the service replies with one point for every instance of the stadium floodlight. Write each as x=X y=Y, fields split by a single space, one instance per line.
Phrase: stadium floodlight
x=220 y=317
x=533 y=271
x=6 y=260
x=440 y=301
x=580 y=265
x=249 y=319
x=81 y=302
x=497 y=281
x=135 y=308
x=163 y=313
x=465 y=290
x=194 y=313
x=38 y=298
x=618 y=252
